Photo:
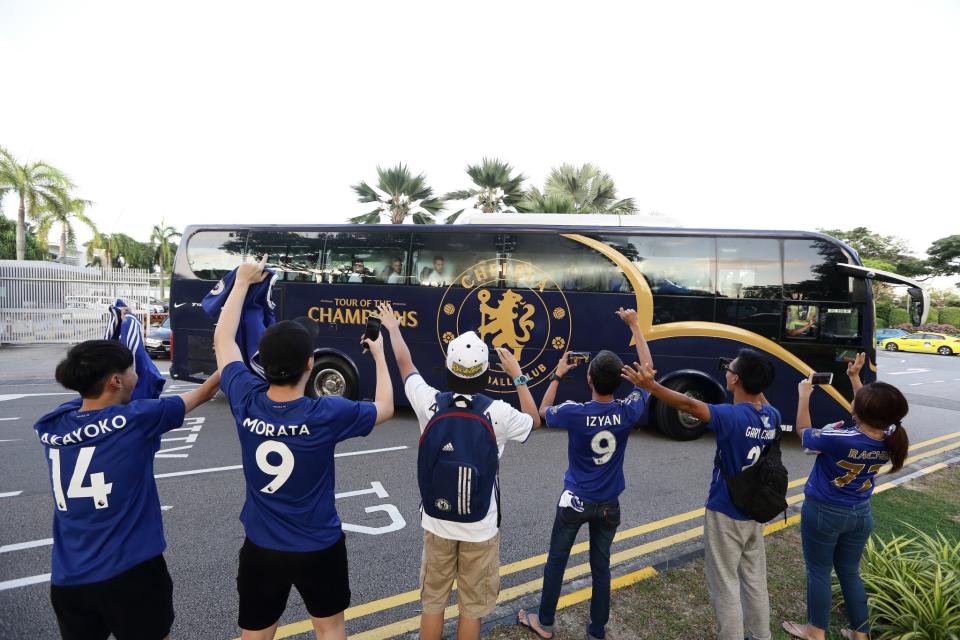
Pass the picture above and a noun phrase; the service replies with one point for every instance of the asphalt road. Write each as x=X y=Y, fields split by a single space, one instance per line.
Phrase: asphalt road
x=201 y=489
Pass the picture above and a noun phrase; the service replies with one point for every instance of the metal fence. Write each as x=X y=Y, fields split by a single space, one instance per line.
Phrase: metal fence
x=53 y=302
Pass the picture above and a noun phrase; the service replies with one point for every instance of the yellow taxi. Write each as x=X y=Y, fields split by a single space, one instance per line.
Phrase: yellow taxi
x=924 y=342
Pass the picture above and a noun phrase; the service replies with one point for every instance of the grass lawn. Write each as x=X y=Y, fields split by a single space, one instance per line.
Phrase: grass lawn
x=674 y=605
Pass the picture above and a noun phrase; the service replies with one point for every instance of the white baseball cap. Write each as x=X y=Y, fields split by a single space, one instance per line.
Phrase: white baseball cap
x=467 y=356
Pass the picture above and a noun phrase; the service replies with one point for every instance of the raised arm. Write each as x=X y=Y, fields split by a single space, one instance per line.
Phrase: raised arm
x=551 y=393
x=643 y=376
x=400 y=351
x=225 y=335
x=383 y=396
x=853 y=371
x=512 y=369
x=629 y=317
x=203 y=393
x=804 y=390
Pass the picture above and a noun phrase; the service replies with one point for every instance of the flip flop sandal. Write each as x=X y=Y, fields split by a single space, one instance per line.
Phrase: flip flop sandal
x=525 y=623
x=848 y=634
x=793 y=629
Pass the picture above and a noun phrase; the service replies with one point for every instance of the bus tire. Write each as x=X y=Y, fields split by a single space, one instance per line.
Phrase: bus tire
x=683 y=427
x=892 y=346
x=331 y=376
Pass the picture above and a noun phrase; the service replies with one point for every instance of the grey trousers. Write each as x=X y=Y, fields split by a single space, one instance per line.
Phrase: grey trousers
x=736 y=570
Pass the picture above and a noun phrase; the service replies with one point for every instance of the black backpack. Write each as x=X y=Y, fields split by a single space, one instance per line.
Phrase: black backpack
x=760 y=490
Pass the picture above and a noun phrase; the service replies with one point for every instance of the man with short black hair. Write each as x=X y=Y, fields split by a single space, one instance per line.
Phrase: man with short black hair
x=735 y=556
x=466 y=550
x=287 y=441
x=597 y=433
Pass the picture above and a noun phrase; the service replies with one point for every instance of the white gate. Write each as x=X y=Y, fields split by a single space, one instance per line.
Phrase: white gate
x=53 y=302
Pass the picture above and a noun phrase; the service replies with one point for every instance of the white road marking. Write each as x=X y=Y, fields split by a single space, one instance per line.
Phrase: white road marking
x=915 y=384
x=936 y=382
x=17 y=396
x=900 y=373
x=23 y=582
x=166 y=507
x=234 y=467
x=375 y=487
x=14 y=440
x=8 y=419
x=19 y=546
x=10 y=494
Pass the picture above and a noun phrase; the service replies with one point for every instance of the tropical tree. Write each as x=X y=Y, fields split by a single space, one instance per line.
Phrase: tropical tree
x=497 y=189
x=36 y=184
x=63 y=213
x=535 y=201
x=398 y=194
x=945 y=256
x=586 y=188
x=161 y=236
x=8 y=241
x=891 y=250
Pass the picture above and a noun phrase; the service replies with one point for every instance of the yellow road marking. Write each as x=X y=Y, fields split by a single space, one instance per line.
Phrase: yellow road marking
x=407 y=597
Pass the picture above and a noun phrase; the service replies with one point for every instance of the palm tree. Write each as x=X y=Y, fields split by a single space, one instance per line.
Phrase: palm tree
x=102 y=246
x=398 y=194
x=496 y=189
x=586 y=187
x=535 y=201
x=63 y=212
x=36 y=183
x=162 y=236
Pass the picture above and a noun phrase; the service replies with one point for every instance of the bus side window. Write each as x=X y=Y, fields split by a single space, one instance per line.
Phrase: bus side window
x=809 y=271
x=671 y=265
x=749 y=268
x=294 y=255
x=375 y=257
x=454 y=258
x=213 y=254
x=572 y=266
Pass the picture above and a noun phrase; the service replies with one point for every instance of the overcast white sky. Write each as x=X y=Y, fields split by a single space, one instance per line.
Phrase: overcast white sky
x=722 y=114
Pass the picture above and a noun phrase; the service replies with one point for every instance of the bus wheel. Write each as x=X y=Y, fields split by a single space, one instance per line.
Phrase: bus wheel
x=332 y=377
x=945 y=351
x=680 y=425
x=892 y=346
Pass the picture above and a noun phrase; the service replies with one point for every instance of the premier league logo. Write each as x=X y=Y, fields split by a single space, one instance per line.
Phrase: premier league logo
x=511 y=304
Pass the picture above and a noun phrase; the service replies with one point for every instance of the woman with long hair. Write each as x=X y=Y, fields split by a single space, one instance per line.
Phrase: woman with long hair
x=836 y=520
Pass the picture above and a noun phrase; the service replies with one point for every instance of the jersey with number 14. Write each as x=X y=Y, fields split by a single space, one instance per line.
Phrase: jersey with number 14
x=597 y=435
x=288 y=460
x=847 y=463
x=106 y=516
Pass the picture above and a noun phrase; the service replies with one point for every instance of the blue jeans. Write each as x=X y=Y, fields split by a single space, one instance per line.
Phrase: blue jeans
x=603 y=519
x=834 y=537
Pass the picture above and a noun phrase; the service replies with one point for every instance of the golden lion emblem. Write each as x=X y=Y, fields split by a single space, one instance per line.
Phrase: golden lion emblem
x=502 y=322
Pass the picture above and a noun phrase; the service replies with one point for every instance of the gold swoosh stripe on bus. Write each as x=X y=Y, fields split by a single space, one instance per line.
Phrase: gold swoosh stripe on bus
x=693 y=329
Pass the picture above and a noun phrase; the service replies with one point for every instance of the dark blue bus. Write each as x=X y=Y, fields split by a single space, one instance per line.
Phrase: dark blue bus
x=802 y=298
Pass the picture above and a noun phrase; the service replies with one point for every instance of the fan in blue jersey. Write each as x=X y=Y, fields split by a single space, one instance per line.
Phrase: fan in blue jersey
x=836 y=521
x=597 y=434
x=126 y=328
x=257 y=314
x=287 y=441
x=735 y=559
x=108 y=573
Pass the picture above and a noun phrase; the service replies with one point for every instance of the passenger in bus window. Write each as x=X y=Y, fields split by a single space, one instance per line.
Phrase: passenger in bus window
x=461 y=526
x=438 y=276
x=394 y=272
x=598 y=432
x=360 y=273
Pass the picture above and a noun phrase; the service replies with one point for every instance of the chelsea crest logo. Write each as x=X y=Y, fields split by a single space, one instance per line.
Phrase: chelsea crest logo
x=511 y=304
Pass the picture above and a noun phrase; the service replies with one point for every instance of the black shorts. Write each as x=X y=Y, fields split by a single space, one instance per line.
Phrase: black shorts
x=266 y=575
x=135 y=605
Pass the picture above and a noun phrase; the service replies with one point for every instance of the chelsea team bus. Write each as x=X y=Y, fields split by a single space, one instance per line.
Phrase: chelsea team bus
x=540 y=286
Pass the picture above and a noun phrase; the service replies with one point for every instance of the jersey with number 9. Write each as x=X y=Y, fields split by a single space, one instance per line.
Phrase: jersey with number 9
x=288 y=461
x=106 y=516
x=597 y=434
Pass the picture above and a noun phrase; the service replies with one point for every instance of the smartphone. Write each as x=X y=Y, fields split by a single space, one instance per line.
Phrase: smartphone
x=372 y=330
x=821 y=378
x=578 y=357
x=724 y=363
x=847 y=356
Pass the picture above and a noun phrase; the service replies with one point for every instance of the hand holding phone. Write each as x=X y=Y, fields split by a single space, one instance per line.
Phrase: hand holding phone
x=821 y=378
x=371 y=332
x=578 y=357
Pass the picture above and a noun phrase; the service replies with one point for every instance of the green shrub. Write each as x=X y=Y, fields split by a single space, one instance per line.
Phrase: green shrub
x=950 y=315
x=898 y=316
x=913 y=587
x=884 y=307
